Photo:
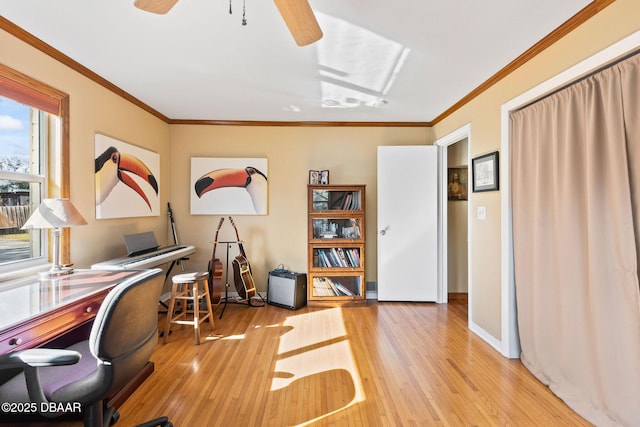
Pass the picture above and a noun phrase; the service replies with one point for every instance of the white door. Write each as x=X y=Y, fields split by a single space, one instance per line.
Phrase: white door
x=408 y=223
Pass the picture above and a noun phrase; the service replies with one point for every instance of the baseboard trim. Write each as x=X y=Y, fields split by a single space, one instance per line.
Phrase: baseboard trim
x=458 y=296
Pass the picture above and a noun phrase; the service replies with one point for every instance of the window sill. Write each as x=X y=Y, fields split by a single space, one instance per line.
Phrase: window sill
x=24 y=270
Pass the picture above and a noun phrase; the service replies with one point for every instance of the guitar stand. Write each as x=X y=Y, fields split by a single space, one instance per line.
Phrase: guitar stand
x=226 y=284
x=261 y=299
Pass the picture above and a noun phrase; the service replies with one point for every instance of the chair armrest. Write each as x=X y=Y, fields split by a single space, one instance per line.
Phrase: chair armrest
x=36 y=357
x=32 y=359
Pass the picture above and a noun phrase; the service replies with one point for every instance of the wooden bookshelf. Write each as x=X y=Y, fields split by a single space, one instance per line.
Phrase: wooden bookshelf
x=336 y=235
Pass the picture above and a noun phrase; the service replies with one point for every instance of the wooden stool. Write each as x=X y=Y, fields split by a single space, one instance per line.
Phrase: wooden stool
x=189 y=288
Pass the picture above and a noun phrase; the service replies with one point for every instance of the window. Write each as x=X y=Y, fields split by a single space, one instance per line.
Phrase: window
x=23 y=132
x=33 y=152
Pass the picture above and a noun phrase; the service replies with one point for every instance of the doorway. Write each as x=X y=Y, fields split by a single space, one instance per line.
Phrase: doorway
x=458 y=179
x=460 y=143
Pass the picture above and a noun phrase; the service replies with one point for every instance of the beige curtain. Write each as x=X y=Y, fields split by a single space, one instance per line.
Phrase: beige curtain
x=576 y=227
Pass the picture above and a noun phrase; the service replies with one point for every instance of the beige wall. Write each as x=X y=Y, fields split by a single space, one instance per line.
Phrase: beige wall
x=95 y=109
x=483 y=113
x=280 y=237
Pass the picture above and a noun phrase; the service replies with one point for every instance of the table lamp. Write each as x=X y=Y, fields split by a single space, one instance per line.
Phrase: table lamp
x=55 y=214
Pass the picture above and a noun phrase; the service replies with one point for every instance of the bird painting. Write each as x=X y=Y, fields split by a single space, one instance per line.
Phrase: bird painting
x=122 y=177
x=231 y=190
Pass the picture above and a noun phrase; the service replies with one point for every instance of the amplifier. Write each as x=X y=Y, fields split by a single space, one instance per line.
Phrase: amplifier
x=287 y=289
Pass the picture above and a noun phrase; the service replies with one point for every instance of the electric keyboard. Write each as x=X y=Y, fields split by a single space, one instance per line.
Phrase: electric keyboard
x=147 y=260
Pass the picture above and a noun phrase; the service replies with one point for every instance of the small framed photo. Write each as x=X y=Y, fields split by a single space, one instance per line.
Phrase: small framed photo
x=324 y=177
x=457 y=183
x=486 y=172
x=319 y=177
x=314 y=177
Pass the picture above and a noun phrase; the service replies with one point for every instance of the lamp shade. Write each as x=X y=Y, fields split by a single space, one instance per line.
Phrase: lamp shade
x=54 y=213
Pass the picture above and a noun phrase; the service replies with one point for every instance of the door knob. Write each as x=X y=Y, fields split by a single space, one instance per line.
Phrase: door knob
x=384 y=231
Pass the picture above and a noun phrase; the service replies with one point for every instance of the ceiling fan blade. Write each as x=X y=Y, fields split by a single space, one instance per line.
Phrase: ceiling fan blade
x=155 y=6
x=302 y=23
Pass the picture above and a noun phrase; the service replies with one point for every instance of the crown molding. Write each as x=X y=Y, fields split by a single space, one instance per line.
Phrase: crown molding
x=572 y=23
x=297 y=123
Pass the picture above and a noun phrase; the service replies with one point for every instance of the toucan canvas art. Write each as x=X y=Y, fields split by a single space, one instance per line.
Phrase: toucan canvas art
x=228 y=186
x=126 y=179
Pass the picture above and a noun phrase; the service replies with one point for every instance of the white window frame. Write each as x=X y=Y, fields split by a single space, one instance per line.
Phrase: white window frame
x=53 y=107
x=40 y=137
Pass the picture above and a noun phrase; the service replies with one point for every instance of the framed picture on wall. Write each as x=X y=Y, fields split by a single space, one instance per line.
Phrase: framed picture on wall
x=227 y=186
x=126 y=179
x=485 y=172
x=457 y=183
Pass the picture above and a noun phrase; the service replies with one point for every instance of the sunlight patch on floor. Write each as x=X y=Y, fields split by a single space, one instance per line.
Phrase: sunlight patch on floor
x=316 y=342
x=230 y=337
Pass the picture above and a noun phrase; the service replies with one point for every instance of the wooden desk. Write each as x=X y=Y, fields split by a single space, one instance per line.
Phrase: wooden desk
x=57 y=312
x=35 y=312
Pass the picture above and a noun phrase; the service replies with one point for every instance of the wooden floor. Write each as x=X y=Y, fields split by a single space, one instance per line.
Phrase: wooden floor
x=378 y=364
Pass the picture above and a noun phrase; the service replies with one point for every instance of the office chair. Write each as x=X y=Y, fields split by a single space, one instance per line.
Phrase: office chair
x=123 y=337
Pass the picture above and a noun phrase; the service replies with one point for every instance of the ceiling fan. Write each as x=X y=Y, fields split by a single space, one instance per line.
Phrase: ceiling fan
x=297 y=14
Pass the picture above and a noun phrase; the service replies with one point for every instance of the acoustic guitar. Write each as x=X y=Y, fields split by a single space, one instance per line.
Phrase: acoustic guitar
x=242 y=271
x=215 y=271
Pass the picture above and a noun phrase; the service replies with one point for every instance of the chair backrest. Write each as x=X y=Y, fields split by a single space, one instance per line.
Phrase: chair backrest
x=125 y=330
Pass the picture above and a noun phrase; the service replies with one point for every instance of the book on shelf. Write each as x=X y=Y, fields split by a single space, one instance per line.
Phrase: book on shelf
x=352 y=260
x=337 y=257
x=333 y=287
x=347 y=202
x=343 y=258
x=324 y=260
x=353 y=203
x=318 y=286
x=333 y=258
x=322 y=288
x=356 y=257
x=337 y=260
x=344 y=290
x=326 y=287
x=337 y=201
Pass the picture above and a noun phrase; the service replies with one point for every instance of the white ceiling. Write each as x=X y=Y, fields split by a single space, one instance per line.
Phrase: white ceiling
x=379 y=60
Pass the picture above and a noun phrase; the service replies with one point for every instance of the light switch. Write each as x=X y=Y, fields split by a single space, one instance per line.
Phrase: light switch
x=482 y=213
